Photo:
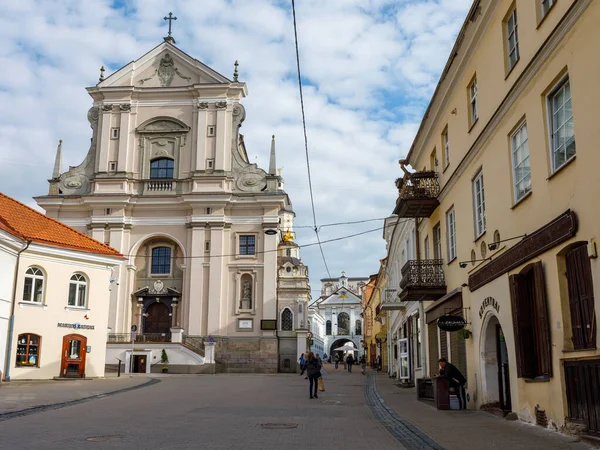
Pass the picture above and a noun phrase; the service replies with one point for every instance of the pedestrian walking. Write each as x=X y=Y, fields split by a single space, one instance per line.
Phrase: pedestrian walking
x=313 y=370
x=305 y=355
x=379 y=365
x=349 y=362
x=302 y=362
x=320 y=360
x=456 y=380
x=336 y=360
x=363 y=364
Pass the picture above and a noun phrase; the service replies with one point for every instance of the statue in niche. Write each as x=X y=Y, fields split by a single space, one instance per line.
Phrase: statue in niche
x=246 y=295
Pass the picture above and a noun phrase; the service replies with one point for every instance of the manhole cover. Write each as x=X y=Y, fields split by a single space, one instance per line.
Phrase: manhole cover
x=279 y=426
x=103 y=438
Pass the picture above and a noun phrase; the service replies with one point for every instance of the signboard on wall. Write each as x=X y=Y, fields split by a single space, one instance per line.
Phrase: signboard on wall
x=268 y=324
x=451 y=323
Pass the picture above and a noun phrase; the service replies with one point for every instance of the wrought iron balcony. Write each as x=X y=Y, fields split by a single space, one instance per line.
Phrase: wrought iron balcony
x=417 y=194
x=422 y=280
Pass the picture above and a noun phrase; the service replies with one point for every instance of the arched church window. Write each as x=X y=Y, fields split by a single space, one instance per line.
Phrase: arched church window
x=343 y=324
x=328 y=328
x=246 y=292
x=162 y=168
x=161 y=260
x=358 y=327
x=287 y=320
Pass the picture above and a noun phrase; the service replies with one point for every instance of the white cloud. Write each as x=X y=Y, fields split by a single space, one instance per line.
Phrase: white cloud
x=370 y=67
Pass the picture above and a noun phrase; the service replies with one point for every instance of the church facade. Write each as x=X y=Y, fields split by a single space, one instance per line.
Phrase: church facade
x=168 y=183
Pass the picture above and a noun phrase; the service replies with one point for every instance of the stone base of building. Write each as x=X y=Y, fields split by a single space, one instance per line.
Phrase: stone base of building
x=246 y=355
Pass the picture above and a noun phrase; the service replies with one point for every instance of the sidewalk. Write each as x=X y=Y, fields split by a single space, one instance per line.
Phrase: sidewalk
x=19 y=395
x=469 y=429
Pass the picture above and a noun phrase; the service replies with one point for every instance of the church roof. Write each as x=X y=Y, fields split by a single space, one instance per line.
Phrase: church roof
x=28 y=224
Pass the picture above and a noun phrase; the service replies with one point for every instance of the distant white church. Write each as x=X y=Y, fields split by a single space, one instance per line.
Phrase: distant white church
x=335 y=318
x=168 y=183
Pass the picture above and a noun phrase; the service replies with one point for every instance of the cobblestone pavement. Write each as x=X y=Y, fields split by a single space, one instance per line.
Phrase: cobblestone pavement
x=211 y=412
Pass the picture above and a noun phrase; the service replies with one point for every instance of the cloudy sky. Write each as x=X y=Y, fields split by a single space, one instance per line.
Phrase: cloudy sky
x=369 y=68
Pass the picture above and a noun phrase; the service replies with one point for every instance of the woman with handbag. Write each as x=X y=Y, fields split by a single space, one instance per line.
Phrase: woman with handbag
x=313 y=370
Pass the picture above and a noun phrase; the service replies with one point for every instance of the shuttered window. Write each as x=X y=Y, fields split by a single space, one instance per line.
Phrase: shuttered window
x=581 y=298
x=531 y=323
x=432 y=332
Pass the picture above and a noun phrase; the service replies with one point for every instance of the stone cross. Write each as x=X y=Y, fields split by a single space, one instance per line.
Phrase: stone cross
x=170 y=18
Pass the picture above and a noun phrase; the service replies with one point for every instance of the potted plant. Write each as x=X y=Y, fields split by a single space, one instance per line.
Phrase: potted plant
x=164 y=359
x=464 y=333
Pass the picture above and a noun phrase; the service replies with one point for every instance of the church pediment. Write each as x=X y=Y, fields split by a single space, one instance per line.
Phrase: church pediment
x=341 y=297
x=163 y=124
x=164 y=66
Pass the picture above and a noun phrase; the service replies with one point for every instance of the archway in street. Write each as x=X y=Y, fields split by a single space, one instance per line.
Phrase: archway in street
x=340 y=343
x=494 y=366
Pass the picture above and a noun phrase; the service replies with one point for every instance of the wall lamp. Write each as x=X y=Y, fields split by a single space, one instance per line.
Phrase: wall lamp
x=464 y=264
x=270 y=232
x=494 y=245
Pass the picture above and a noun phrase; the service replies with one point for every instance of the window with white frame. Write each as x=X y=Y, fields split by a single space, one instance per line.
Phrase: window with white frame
x=546 y=5
x=451 y=234
x=33 y=287
x=287 y=320
x=77 y=291
x=446 y=147
x=519 y=143
x=561 y=124
x=512 y=38
x=473 y=110
x=479 y=204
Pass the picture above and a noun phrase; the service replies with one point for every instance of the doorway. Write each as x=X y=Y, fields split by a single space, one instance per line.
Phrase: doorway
x=496 y=371
x=74 y=351
x=139 y=363
x=157 y=322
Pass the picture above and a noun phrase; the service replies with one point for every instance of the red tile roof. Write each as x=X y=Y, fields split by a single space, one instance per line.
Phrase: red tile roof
x=26 y=223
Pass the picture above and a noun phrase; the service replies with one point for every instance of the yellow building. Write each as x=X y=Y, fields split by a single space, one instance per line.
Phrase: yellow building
x=376 y=319
x=505 y=201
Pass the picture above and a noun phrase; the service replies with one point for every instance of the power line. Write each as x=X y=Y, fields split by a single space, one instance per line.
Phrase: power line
x=341 y=223
x=312 y=200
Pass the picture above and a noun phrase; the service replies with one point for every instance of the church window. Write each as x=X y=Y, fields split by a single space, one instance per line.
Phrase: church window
x=77 y=291
x=161 y=260
x=210 y=131
x=112 y=166
x=162 y=168
x=287 y=320
x=343 y=324
x=33 y=288
x=114 y=133
x=288 y=269
x=328 y=328
x=209 y=210
x=246 y=292
x=28 y=350
x=107 y=211
x=207 y=246
x=247 y=245
x=358 y=327
x=210 y=164
x=288 y=252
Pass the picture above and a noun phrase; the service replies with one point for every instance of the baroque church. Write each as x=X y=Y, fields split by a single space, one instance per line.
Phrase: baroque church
x=207 y=235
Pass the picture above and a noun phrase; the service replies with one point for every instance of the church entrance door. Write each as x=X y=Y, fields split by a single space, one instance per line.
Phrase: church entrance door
x=157 y=324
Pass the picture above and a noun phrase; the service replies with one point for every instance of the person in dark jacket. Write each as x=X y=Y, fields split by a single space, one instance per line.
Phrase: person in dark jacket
x=313 y=370
x=349 y=362
x=455 y=379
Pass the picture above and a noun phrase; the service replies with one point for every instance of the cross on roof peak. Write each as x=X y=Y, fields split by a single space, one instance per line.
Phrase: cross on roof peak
x=170 y=18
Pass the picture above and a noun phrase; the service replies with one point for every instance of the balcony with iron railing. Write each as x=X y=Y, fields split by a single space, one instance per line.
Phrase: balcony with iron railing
x=422 y=280
x=418 y=194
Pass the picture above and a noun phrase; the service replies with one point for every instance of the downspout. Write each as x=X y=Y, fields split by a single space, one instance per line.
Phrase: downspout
x=11 y=323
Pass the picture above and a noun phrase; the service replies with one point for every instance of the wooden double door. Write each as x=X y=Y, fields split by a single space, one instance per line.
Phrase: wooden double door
x=74 y=350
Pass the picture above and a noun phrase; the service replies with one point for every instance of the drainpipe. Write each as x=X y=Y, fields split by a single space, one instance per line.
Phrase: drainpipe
x=11 y=323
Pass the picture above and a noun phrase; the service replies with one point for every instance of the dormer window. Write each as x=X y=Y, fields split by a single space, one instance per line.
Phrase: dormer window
x=162 y=168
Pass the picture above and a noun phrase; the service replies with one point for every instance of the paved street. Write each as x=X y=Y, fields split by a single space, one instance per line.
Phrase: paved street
x=261 y=412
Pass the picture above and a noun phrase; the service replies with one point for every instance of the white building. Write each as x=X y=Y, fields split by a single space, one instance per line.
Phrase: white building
x=336 y=316
x=167 y=182
x=55 y=285
x=406 y=330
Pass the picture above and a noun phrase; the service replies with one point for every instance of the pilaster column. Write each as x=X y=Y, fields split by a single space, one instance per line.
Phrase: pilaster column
x=269 y=307
x=193 y=308
x=221 y=143
x=215 y=282
x=201 y=124
x=104 y=138
x=123 y=154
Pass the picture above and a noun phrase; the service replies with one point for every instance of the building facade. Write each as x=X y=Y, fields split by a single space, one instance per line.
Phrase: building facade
x=505 y=185
x=336 y=316
x=167 y=182
x=56 y=290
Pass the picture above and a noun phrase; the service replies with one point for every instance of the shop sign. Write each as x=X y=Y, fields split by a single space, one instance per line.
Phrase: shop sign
x=451 y=323
x=75 y=326
x=488 y=301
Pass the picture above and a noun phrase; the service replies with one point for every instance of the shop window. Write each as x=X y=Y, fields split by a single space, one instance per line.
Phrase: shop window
x=77 y=291
x=33 y=287
x=28 y=350
x=161 y=260
x=531 y=323
x=287 y=320
x=581 y=298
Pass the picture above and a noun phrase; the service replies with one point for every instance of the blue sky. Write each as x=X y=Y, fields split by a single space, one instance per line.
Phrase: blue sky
x=370 y=67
